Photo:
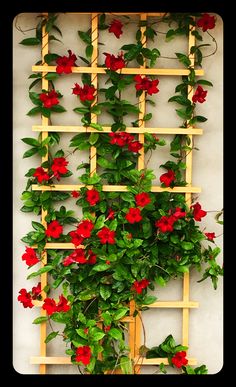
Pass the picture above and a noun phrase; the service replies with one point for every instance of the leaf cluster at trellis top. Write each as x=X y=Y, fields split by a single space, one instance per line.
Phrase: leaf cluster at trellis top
x=126 y=243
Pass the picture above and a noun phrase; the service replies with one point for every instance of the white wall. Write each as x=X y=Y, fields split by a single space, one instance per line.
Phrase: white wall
x=206 y=325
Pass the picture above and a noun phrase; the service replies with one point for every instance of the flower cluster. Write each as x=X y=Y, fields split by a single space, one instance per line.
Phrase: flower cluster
x=51 y=306
x=26 y=298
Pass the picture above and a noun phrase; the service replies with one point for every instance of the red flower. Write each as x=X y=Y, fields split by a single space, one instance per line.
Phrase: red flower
x=25 y=298
x=198 y=213
x=210 y=236
x=121 y=138
x=142 y=199
x=146 y=84
x=76 y=239
x=54 y=229
x=165 y=224
x=206 y=22
x=49 y=99
x=167 y=178
x=41 y=175
x=199 y=95
x=75 y=194
x=115 y=27
x=178 y=213
x=92 y=258
x=108 y=262
x=107 y=328
x=114 y=63
x=76 y=257
x=140 y=285
x=84 y=228
x=62 y=305
x=111 y=213
x=83 y=354
x=86 y=331
x=134 y=215
x=30 y=257
x=92 y=196
x=106 y=236
x=179 y=359
x=85 y=93
x=134 y=146
x=65 y=63
x=49 y=305
x=59 y=166
x=36 y=291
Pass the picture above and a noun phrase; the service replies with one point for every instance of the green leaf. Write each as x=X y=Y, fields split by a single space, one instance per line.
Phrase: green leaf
x=89 y=51
x=180 y=99
x=99 y=222
x=30 y=42
x=147 y=117
x=58 y=109
x=120 y=313
x=196 y=34
x=113 y=225
x=48 y=58
x=98 y=336
x=44 y=269
x=91 y=365
x=34 y=111
x=187 y=245
x=100 y=267
x=39 y=320
x=160 y=280
x=85 y=37
x=127 y=197
x=85 y=295
x=51 y=336
x=105 y=291
x=81 y=333
x=59 y=317
x=204 y=82
x=170 y=34
x=51 y=76
x=126 y=365
x=96 y=126
x=30 y=141
x=149 y=300
x=183 y=59
x=38 y=226
x=200 y=118
x=93 y=138
x=30 y=152
x=115 y=333
x=46 y=112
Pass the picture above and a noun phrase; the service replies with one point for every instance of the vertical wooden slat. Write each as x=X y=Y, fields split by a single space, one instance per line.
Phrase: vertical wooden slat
x=45 y=121
x=188 y=177
x=142 y=103
x=141 y=165
x=94 y=81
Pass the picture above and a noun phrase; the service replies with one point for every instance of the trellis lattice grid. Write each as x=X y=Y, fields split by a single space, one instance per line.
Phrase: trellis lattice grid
x=185 y=304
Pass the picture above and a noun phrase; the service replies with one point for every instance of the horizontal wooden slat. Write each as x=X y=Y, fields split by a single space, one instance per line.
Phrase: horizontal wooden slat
x=110 y=188
x=159 y=360
x=174 y=304
x=119 y=13
x=58 y=245
x=83 y=129
x=101 y=70
x=67 y=360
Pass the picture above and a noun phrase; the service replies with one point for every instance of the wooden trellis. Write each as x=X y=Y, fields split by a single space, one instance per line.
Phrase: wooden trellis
x=185 y=304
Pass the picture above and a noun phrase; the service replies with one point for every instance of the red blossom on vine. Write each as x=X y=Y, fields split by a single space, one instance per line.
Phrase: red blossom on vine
x=30 y=257
x=75 y=194
x=64 y=63
x=210 y=236
x=59 y=167
x=179 y=213
x=114 y=63
x=140 y=285
x=41 y=175
x=49 y=99
x=133 y=215
x=179 y=359
x=142 y=199
x=135 y=146
x=62 y=305
x=92 y=258
x=92 y=197
x=78 y=256
x=198 y=213
x=85 y=93
x=25 y=298
x=106 y=236
x=83 y=354
x=36 y=291
x=54 y=229
x=49 y=305
x=121 y=138
x=116 y=27
x=111 y=213
x=199 y=95
x=206 y=22
x=76 y=239
x=167 y=178
x=146 y=84
x=84 y=228
x=165 y=223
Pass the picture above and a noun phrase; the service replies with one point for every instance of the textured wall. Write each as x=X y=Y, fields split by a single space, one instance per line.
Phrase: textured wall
x=206 y=326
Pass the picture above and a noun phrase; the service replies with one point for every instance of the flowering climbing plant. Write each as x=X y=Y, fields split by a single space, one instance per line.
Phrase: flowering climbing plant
x=125 y=243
